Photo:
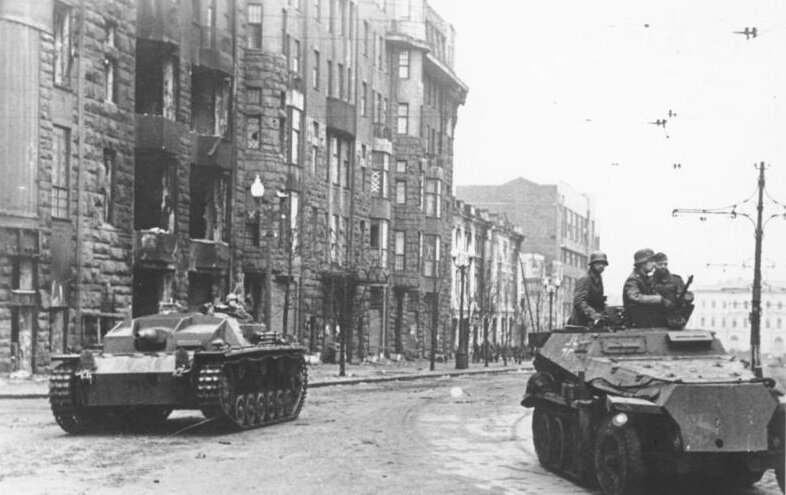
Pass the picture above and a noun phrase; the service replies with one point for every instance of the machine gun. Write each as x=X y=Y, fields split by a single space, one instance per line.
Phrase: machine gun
x=680 y=313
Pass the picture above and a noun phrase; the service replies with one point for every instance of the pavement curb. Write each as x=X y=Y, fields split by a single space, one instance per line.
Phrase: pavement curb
x=344 y=381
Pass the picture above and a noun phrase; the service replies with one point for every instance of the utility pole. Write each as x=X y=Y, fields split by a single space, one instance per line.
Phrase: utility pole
x=759 y=223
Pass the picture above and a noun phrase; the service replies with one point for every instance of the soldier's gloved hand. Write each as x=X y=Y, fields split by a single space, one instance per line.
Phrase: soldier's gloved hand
x=599 y=322
x=667 y=303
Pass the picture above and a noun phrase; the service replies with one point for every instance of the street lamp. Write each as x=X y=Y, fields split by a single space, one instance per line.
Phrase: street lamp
x=462 y=261
x=550 y=285
x=257 y=190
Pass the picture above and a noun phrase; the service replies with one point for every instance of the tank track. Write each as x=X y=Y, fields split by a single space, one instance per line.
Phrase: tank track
x=71 y=417
x=241 y=395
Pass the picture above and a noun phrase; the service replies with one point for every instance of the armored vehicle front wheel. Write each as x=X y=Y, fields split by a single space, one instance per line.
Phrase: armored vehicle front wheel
x=541 y=435
x=617 y=456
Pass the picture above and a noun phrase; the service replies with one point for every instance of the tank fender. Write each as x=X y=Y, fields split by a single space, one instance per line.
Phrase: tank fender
x=632 y=405
x=538 y=384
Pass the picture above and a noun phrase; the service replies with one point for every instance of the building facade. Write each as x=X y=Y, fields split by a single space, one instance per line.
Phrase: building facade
x=725 y=309
x=560 y=224
x=486 y=248
x=133 y=131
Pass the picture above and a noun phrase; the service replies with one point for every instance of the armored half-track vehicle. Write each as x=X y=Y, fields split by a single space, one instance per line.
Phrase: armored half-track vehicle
x=617 y=407
x=151 y=365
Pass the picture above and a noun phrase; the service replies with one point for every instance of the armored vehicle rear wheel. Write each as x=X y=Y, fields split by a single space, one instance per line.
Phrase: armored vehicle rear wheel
x=618 y=463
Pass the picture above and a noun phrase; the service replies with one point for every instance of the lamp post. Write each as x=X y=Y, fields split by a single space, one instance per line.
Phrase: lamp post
x=258 y=193
x=462 y=261
x=550 y=287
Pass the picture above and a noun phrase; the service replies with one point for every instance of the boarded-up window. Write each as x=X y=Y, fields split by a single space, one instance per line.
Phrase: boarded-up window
x=60 y=167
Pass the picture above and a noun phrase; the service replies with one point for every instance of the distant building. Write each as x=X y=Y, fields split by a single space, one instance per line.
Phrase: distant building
x=560 y=223
x=491 y=245
x=725 y=309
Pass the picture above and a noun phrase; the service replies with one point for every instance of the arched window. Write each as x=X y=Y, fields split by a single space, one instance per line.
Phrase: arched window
x=734 y=342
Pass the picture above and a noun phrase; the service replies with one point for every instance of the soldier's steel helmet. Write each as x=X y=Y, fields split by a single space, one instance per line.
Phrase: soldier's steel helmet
x=598 y=256
x=643 y=255
x=661 y=256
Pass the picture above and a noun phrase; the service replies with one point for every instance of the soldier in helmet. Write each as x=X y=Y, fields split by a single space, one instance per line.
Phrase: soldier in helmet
x=589 y=302
x=643 y=306
x=671 y=287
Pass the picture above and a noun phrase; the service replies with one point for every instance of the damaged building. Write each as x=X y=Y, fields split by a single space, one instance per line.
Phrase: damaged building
x=133 y=131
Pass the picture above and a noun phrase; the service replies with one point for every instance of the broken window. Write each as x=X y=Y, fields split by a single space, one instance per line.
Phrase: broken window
x=294 y=210
x=431 y=255
x=154 y=194
x=209 y=198
x=433 y=198
x=253 y=130
x=110 y=80
x=379 y=242
x=210 y=102
x=254 y=25
x=156 y=79
x=22 y=347
x=294 y=141
x=95 y=327
x=63 y=54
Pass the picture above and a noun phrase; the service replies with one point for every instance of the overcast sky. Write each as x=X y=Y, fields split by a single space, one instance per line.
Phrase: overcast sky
x=561 y=90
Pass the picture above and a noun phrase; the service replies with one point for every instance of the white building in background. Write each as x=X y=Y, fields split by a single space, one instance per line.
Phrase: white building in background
x=725 y=309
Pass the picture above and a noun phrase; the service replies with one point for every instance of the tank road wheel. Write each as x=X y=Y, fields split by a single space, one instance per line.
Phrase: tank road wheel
x=280 y=405
x=618 y=464
x=227 y=393
x=241 y=413
x=541 y=434
x=289 y=402
x=271 y=409
x=256 y=403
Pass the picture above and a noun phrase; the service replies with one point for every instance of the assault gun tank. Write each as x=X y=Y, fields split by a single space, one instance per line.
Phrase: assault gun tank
x=234 y=372
x=615 y=407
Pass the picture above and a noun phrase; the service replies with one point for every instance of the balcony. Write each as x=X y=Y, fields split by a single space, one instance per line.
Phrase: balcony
x=381 y=131
x=382 y=138
x=159 y=133
x=212 y=151
x=380 y=208
x=25 y=298
x=155 y=246
x=341 y=116
x=212 y=48
x=208 y=255
x=159 y=21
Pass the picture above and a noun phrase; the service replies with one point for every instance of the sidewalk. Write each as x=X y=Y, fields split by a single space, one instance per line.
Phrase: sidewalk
x=319 y=375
